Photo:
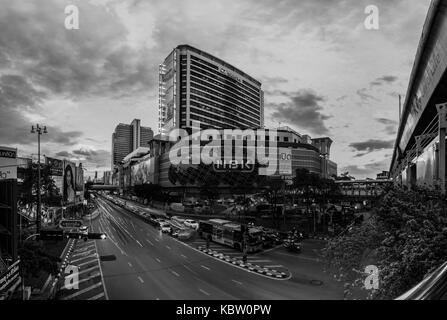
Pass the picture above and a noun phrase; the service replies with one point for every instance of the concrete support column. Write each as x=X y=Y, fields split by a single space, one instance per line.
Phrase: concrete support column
x=442 y=112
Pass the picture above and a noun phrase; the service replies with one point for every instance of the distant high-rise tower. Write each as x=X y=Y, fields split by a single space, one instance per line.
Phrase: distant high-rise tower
x=194 y=85
x=128 y=138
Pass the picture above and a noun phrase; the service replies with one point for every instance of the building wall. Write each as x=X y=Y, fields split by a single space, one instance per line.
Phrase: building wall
x=208 y=90
x=307 y=159
x=128 y=138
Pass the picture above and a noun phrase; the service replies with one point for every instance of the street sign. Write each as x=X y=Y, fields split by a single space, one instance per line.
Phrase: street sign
x=8 y=277
x=69 y=224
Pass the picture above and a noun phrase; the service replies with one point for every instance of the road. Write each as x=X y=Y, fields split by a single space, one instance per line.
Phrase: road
x=139 y=262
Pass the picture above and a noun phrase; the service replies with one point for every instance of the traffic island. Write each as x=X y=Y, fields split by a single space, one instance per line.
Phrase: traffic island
x=256 y=269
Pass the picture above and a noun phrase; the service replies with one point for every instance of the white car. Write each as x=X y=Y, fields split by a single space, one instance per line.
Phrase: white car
x=191 y=224
x=83 y=230
x=165 y=227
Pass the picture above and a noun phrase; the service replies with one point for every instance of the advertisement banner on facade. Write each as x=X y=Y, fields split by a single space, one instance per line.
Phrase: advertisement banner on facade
x=285 y=161
x=56 y=166
x=79 y=178
x=8 y=163
x=69 y=182
x=143 y=172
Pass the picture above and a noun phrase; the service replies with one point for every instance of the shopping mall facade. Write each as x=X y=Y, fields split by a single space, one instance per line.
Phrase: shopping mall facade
x=290 y=153
x=419 y=151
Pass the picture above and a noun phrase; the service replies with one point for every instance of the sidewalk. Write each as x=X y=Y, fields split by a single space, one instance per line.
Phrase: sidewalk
x=147 y=208
x=87 y=283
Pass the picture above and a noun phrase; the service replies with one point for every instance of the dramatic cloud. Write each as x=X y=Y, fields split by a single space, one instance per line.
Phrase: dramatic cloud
x=384 y=80
x=390 y=125
x=40 y=59
x=81 y=83
x=368 y=170
x=362 y=93
x=63 y=154
x=84 y=152
x=303 y=111
x=372 y=145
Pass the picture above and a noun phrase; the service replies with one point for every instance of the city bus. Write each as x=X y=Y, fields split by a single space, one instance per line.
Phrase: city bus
x=229 y=233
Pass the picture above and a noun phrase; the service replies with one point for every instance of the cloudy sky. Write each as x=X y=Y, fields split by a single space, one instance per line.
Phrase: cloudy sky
x=323 y=72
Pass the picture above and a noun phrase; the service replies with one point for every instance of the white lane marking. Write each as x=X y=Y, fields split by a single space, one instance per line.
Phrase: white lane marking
x=259 y=260
x=204 y=292
x=102 y=275
x=175 y=273
x=96 y=274
x=156 y=239
x=150 y=242
x=85 y=253
x=205 y=267
x=87 y=262
x=169 y=248
x=98 y=296
x=88 y=270
x=130 y=264
x=158 y=260
x=82 y=291
x=141 y=280
x=188 y=268
x=184 y=256
x=240 y=283
x=299 y=257
x=274 y=266
x=139 y=243
x=76 y=260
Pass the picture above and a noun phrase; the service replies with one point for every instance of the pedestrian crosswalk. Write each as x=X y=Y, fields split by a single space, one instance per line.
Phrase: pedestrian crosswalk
x=256 y=258
x=83 y=279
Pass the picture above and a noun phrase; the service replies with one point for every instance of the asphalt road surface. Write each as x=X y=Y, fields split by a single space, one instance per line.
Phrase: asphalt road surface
x=139 y=262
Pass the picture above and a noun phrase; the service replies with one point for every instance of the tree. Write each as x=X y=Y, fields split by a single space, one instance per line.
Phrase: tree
x=34 y=259
x=406 y=238
x=48 y=189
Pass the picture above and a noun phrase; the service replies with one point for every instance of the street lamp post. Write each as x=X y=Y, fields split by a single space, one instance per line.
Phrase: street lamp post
x=39 y=131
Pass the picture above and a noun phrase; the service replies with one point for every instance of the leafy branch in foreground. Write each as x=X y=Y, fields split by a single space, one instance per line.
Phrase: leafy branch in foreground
x=406 y=238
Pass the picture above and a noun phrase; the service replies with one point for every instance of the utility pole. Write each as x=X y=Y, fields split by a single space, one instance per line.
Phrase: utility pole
x=39 y=131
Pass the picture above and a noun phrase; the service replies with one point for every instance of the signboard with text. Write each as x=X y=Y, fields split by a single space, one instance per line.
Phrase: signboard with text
x=56 y=166
x=285 y=161
x=69 y=224
x=8 y=163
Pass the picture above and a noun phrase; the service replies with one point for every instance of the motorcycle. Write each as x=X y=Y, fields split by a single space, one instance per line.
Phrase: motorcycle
x=293 y=245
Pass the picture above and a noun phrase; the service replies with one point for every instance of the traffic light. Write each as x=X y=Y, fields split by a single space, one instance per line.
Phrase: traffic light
x=51 y=234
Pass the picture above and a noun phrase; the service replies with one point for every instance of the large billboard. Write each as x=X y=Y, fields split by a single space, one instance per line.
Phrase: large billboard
x=8 y=163
x=167 y=91
x=143 y=172
x=56 y=168
x=69 y=182
x=79 y=185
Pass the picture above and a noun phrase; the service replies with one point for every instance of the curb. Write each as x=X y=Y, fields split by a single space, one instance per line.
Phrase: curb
x=65 y=254
x=319 y=238
x=272 y=273
x=93 y=215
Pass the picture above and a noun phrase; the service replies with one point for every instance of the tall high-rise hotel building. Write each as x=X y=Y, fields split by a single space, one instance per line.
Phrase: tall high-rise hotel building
x=127 y=138
x=196 y=86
